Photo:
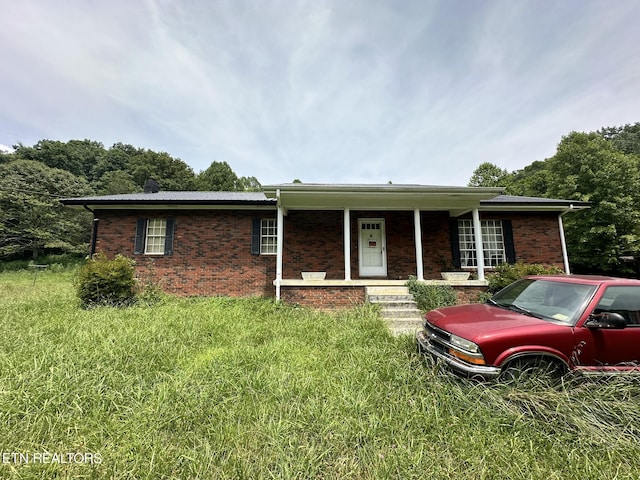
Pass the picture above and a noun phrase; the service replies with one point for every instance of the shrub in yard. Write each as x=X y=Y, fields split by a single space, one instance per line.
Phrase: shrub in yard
x=508 y=273
x=102 y=281
x=429 y=297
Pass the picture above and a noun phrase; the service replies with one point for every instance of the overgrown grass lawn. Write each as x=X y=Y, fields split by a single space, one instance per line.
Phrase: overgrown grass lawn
x=222 y=388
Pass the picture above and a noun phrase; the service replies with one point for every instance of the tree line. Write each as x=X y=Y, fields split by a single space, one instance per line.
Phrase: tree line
x=34 y=178
x=601 y=167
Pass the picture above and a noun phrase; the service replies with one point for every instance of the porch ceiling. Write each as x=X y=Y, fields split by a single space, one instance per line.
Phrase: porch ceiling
x=378 y=197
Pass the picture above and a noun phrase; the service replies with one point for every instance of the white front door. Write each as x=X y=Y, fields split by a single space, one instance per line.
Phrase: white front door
x=372 y=247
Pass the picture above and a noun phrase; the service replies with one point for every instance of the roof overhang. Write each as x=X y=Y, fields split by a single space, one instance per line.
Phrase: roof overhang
x=532 y=204
x=305 y=196
x=174 y=201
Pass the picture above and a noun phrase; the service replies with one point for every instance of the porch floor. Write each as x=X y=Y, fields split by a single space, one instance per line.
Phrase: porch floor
x=376 y=283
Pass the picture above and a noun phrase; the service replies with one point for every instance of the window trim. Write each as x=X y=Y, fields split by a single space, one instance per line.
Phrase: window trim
x=153 y=239
x=258 y=236
x=268 y=236
x=141 y=243
x=508 y=250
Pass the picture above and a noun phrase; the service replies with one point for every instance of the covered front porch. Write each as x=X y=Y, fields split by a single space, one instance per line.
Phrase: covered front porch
x=377 y=236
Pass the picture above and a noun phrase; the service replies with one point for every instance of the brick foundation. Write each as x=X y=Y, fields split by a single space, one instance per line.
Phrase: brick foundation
x=324 y=298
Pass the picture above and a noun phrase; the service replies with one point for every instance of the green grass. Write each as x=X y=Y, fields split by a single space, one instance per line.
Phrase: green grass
x=222 y=388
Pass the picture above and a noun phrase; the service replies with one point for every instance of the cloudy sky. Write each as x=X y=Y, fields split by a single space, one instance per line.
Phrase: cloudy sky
x=336 y=91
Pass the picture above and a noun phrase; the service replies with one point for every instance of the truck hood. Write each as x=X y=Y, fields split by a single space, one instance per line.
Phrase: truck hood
x=484 y=320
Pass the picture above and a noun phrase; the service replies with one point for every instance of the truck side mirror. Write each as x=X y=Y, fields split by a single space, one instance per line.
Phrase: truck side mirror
x=606 y=320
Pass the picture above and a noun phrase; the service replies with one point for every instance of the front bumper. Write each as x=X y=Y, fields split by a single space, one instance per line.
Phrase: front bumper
x=425 y=345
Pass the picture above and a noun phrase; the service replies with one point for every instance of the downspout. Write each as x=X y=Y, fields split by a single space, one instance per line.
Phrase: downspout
x=279 y=249
x=94 y=232
x=563 y=242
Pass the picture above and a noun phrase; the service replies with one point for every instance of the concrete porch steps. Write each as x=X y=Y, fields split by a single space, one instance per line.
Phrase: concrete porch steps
x=398 y=309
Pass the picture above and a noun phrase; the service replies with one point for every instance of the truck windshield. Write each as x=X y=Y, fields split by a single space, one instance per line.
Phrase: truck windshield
x=554 y=301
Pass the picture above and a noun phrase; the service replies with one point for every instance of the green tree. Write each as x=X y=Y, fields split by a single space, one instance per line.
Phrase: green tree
x=587 y=167
x=219 y=177
x=116 y=158
x=75 y=156
x=532 y=181
x=115 y=182
x=600 y=167
x=32 y=219
x=489 y=175
x=249 y=184
x=626 y=138
x=170 y=173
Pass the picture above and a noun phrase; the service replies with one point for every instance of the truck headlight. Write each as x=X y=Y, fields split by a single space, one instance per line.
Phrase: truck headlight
x=464 y=344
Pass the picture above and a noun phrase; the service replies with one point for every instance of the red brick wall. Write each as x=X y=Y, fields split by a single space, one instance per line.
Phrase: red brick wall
x=313 y=242
x=469 y=294
x=325 y=298
x=436 y=243
x=212 y=252
x=212 y=249
x=536 y=236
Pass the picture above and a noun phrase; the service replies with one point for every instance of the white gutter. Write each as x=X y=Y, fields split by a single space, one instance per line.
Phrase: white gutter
x=279 y=244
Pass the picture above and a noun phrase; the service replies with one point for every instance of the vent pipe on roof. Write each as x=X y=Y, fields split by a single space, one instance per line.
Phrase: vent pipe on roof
x=151 y=186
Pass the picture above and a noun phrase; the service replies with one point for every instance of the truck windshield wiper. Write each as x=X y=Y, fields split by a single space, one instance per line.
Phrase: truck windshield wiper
x=526 y=311
x=514 y=307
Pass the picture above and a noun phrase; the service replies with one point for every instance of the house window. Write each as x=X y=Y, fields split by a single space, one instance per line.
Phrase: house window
x=154 y=236
x=268 y=236
x=493 y=244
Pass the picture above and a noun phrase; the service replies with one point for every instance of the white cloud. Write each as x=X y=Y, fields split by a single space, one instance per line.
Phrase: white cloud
x=417 y=92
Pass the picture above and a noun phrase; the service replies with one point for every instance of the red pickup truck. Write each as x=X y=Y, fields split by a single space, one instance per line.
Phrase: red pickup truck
x=552 y=324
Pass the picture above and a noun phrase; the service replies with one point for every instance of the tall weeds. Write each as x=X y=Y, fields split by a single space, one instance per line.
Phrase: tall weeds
x=225 y=388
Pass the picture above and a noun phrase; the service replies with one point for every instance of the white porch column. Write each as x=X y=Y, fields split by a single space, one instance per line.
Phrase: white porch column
x=417 y=229
x=279 y=245
x=347 y=243
x=477 y=234
x=563 y=244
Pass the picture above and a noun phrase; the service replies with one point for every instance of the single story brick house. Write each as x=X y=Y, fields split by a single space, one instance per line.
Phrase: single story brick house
x=322 y=244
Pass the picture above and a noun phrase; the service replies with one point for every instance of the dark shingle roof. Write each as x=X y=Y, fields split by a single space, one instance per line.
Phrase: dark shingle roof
x=168 y=198
x=533 y=201
x=180 y=198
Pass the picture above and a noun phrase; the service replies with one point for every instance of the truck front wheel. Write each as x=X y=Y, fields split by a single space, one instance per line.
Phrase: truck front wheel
x=532 y=370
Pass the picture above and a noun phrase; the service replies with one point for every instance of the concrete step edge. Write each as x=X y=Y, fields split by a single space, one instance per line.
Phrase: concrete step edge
x=387 y=290
x=388 y=298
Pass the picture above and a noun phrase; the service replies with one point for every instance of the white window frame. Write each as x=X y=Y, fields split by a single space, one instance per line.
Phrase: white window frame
x=492 y=243
x=268 y=236
x=155 y=236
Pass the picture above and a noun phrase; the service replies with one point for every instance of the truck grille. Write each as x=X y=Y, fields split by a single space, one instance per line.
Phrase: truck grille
x=438 y=339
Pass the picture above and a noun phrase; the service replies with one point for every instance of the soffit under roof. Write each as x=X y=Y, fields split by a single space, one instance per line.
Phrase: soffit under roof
x=374 y=197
